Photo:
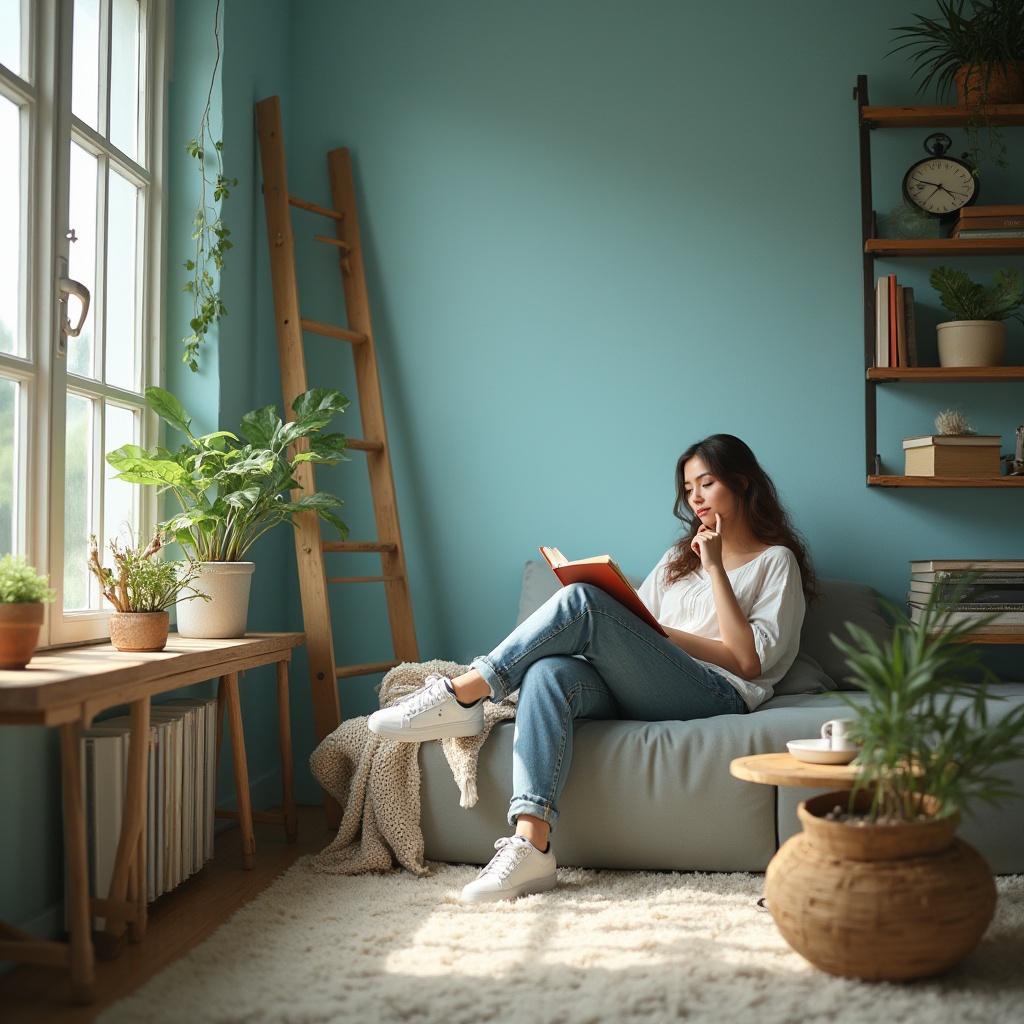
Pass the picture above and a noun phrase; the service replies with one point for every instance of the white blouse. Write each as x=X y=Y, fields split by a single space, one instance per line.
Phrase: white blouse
x=770 y=594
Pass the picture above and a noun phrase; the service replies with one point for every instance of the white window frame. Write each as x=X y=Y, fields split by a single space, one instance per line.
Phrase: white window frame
x=42 y=373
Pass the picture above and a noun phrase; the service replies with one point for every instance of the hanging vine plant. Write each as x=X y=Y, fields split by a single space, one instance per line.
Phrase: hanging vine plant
x=210 y=234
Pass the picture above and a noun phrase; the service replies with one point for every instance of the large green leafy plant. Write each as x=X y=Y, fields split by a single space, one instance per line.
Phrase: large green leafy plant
x=232 y=492
x=969 y=300
x=929 y=744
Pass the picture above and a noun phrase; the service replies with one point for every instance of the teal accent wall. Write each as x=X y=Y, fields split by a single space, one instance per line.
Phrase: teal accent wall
x=595 y=231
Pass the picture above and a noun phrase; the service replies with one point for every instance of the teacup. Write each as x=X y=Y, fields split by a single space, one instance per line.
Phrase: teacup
x=836 y=731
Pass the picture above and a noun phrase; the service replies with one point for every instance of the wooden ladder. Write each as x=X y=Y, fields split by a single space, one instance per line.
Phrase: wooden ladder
x=309 y=546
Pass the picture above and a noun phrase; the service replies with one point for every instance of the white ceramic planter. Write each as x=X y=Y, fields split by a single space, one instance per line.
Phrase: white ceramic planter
x=224 y=616
x=971 y=342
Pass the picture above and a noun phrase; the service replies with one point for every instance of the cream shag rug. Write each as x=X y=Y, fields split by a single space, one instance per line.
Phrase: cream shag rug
x=604 y=946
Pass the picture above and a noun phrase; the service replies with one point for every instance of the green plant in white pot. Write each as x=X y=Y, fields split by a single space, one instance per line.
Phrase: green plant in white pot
x=231 y=492
x=23 y=592
x=141 y=587
x=976 y=336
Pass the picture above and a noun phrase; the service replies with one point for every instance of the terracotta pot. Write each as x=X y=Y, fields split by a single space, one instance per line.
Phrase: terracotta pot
x=1005 y=85
x=19 y=632
x=225 y=615
x=878 y=902
x=971 y=342
x=139 y=631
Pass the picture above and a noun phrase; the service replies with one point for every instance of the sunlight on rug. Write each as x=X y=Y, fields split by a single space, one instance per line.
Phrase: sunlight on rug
x=604 y=946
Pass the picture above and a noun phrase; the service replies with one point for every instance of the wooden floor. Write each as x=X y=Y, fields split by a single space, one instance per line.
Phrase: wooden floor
x=177 y=921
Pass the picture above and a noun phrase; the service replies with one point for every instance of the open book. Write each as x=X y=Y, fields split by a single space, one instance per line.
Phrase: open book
x=601 y=572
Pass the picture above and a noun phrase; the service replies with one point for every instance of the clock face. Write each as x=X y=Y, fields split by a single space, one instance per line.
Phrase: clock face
x=940 y=186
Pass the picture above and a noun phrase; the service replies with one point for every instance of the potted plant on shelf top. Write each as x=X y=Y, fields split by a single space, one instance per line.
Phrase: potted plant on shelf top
x=878 y=886
x=977 y=334
x=976 y=46
x=23 y=592
x=141 y=587
x=230 y=493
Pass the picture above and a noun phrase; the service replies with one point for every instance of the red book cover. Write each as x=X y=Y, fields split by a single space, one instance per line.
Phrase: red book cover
x=601 y=572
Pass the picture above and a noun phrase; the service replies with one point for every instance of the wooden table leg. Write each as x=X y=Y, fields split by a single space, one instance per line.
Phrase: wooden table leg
x=232 y=705
x=284 y=728
x=128 y=882
x=83 y=956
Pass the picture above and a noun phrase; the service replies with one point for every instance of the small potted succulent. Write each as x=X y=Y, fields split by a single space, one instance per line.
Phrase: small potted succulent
x=977 y=334
x=23 y=592
x=230 y=492
x=141 y=587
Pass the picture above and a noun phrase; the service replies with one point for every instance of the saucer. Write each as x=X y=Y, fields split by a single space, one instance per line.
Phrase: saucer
x=819 y=752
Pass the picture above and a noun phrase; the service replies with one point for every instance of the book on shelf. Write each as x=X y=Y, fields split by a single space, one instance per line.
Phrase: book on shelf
x=952 y=455
x=600 y=571
x=910 y=324
x=983 y=565
x=953 y=576
x=882 y=323
x=1003 y=618
x=978 y=592
x=992 y=232
x=979 y=212
x=970 y=440
x=893 y=350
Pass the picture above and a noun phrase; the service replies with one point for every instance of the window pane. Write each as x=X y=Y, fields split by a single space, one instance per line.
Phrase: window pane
x=12 y=259
x=78 y=492
x=124 y=76
x=8 y=464
x=120 y=499
x=85 y=62
x=10 y=34
x=82 y=260
x=122 y=266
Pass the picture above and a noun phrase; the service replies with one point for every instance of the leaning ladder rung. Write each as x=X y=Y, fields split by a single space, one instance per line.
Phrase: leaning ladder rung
x=332 y=241
x=305 y=204
x=358 y=444
x=359 y=545
x=330 y=331
x=364 y=579
x=369 y=669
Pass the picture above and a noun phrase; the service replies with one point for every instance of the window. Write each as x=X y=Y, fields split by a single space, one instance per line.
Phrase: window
x=81 y=109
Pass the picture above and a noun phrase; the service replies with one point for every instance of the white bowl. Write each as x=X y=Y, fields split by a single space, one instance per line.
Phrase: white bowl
x=819 y=752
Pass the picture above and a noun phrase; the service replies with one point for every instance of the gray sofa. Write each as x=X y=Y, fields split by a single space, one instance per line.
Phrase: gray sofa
x=659 y=796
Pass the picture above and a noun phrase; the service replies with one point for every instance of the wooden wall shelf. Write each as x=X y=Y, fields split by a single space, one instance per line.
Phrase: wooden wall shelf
x=916 y=247
x=1009 y=115
x=948 y=374
x=944 y=481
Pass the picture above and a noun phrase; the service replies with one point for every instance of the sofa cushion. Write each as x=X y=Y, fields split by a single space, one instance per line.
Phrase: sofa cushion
x=841 y=601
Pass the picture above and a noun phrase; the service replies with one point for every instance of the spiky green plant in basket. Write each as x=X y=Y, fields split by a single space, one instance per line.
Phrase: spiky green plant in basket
x=930 y=742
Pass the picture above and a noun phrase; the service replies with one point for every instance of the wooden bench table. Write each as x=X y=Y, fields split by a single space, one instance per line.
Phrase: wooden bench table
x=67 y=688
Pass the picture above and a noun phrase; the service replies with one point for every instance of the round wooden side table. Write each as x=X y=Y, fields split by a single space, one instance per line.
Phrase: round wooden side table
x=785 y=770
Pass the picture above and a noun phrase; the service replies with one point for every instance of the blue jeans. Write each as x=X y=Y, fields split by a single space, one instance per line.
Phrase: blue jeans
x=583 y=655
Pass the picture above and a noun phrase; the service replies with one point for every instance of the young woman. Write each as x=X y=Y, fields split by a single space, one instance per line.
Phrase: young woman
x=731 y=596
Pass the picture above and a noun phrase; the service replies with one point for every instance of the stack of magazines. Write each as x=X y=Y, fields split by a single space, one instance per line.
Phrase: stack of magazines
x=991 y=588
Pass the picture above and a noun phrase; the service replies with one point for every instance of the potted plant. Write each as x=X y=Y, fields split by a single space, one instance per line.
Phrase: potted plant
x=141 y=587
x=976 y=46
x=231 y=492
x=23 y=592
x=878 y=886
x=977 y=334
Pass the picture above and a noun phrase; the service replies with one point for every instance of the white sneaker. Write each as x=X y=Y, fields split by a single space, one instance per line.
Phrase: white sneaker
x=517 y=869
x=429 y=713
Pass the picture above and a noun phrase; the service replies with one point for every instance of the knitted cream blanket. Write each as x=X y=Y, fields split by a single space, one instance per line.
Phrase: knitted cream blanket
x=377 y=781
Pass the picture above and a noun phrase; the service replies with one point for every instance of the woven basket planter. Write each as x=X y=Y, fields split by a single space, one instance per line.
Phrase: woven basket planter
x=139 y=631
x=879 y=902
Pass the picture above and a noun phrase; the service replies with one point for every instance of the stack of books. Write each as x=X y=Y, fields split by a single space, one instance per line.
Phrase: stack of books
x=953 y=455
x=1005 y=221
x=996 y=590
x=181 y=797
x=895 y=327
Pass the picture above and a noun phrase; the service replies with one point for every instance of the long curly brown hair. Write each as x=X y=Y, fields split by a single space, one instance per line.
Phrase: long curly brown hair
x=733 y=464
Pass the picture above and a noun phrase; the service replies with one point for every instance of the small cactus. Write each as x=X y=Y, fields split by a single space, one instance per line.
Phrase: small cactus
x=952 y=421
